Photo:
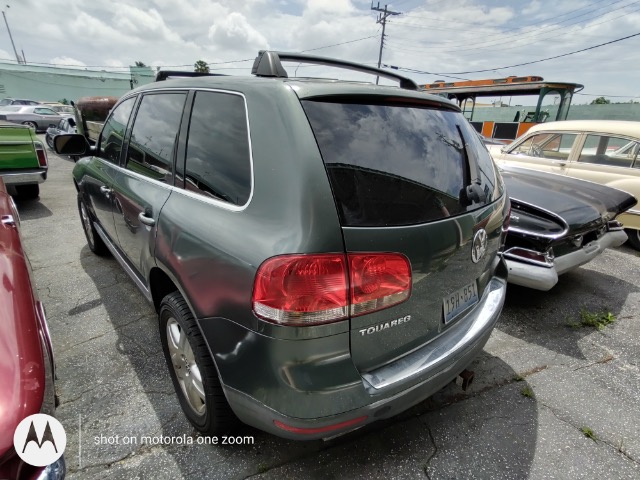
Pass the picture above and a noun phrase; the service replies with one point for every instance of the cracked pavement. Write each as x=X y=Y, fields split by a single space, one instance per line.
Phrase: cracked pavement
x=113 y=382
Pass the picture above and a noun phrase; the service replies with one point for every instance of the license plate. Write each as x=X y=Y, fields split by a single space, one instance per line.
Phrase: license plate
x=459 y=301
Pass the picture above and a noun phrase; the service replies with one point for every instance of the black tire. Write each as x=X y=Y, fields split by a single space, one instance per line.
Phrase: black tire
x=28 y=192
x=96 y=245
x=49 y=139
x=634 y=238
x=33 y=125
x=208 y=409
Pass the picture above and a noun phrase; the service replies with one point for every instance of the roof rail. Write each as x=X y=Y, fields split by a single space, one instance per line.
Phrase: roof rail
x=164 y=74
x=269 y=64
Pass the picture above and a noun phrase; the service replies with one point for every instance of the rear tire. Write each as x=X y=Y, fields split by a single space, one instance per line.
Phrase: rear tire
x=28 y=192
x=634 y=238
x=96 y=245
x=33 y=125
x=192 y=370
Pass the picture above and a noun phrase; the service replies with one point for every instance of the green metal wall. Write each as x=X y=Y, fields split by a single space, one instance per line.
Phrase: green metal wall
x=618 y=111
x=53 y=84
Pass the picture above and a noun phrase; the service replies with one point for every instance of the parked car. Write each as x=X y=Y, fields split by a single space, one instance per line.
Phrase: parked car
x=321 y=254
x=65 y=125
x=27 y=369
x=62 y=109
x=557 y=224
x=37 y=117
x=601 y=151
x=23 y=159
x=17 y=101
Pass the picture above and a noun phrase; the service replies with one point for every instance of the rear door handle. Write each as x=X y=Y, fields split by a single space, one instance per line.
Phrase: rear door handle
x=106 y=191
x=150 y=222
x=562 y=163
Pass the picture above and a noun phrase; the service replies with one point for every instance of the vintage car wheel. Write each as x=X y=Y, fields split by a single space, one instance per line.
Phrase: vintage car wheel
x=33 y=125
x=634 y=238
x=28 y=192
x=192 y=371
x=96 y=245
x=49 y=141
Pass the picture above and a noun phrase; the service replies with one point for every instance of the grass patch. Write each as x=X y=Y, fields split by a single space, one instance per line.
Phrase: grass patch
x=518 y=378
x=587 y=432
x=527 y=392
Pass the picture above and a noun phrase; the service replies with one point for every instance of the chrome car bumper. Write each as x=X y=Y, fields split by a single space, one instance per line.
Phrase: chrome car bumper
x=544 y=277
x=56 y=471
x=423 y=372
x=24 y=177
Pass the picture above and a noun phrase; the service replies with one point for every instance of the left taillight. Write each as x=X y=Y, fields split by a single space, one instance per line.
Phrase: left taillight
x=42 y=154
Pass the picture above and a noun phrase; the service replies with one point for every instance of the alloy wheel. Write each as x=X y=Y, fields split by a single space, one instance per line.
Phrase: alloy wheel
x=185 y=367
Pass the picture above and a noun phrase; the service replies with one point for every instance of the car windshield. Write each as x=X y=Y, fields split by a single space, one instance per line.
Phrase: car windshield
x=5 y=101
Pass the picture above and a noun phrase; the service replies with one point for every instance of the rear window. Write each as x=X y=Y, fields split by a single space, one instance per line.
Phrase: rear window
x=395 y=164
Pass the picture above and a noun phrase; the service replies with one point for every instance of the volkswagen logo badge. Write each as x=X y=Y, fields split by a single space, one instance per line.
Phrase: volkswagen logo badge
x=479 y=245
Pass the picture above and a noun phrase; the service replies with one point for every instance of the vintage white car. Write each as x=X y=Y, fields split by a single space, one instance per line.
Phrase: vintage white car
x=601 y=151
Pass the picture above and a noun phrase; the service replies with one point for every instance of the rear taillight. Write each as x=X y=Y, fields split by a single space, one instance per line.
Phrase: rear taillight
x=543 y=259
x=304 y=290
x=378 y=280
x=41 y=153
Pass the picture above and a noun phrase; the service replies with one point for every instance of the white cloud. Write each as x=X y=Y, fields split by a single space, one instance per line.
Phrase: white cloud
x=67 y=62
x=235 y=33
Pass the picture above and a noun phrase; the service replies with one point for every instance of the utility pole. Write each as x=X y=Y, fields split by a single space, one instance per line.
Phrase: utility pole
x=9 y=30
x=382 y=18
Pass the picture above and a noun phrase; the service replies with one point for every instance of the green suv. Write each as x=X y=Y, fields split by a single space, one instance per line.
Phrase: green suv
x=321 y=254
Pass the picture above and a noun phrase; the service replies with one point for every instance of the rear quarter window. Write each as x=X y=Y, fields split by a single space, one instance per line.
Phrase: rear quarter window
x=393 y=164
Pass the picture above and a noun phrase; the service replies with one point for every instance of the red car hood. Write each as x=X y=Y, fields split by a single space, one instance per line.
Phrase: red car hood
x=22 y=367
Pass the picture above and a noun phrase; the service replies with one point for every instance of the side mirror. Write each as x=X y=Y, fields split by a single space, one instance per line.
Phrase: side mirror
x=72 y=144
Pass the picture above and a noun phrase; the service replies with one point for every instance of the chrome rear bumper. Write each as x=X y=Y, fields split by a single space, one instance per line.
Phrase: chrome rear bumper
x=24 y=177
x=541 y=277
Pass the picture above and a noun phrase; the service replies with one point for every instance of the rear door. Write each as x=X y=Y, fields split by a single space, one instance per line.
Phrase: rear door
x=402 y=179
x=142 y=187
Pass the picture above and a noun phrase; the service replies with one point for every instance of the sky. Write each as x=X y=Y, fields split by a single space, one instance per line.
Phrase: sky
x=446 y=38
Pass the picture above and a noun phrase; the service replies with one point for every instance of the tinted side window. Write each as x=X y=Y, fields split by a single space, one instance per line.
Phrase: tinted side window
x=607 y=150
x=218 y=161
x=113 y=131
x=398 y=164
x=154 y=135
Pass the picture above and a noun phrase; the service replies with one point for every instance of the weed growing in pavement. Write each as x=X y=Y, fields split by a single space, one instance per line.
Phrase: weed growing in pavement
x=526 y=392
x=518 y=378
x=596 y=320
x=589 y=433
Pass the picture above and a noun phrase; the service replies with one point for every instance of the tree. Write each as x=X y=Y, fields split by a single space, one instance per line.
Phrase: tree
x=201 y=66
x=601 y=101
x=140 y=64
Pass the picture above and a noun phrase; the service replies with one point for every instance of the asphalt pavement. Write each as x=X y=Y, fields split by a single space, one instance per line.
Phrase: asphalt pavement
x=552 y=398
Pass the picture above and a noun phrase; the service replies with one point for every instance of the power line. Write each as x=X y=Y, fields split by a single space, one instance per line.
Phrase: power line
x=112 y=67
x=532 y=62
x=518 y=36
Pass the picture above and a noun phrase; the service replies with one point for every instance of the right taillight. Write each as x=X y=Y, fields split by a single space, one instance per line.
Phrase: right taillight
x=301 y=290
x=378 y=280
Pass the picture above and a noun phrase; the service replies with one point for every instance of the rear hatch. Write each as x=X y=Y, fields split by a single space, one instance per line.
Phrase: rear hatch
x=409 y=177
x=16 y=147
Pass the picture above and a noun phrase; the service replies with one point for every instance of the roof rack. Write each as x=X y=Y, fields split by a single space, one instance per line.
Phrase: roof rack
x=164 y=74
x=269 y=64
